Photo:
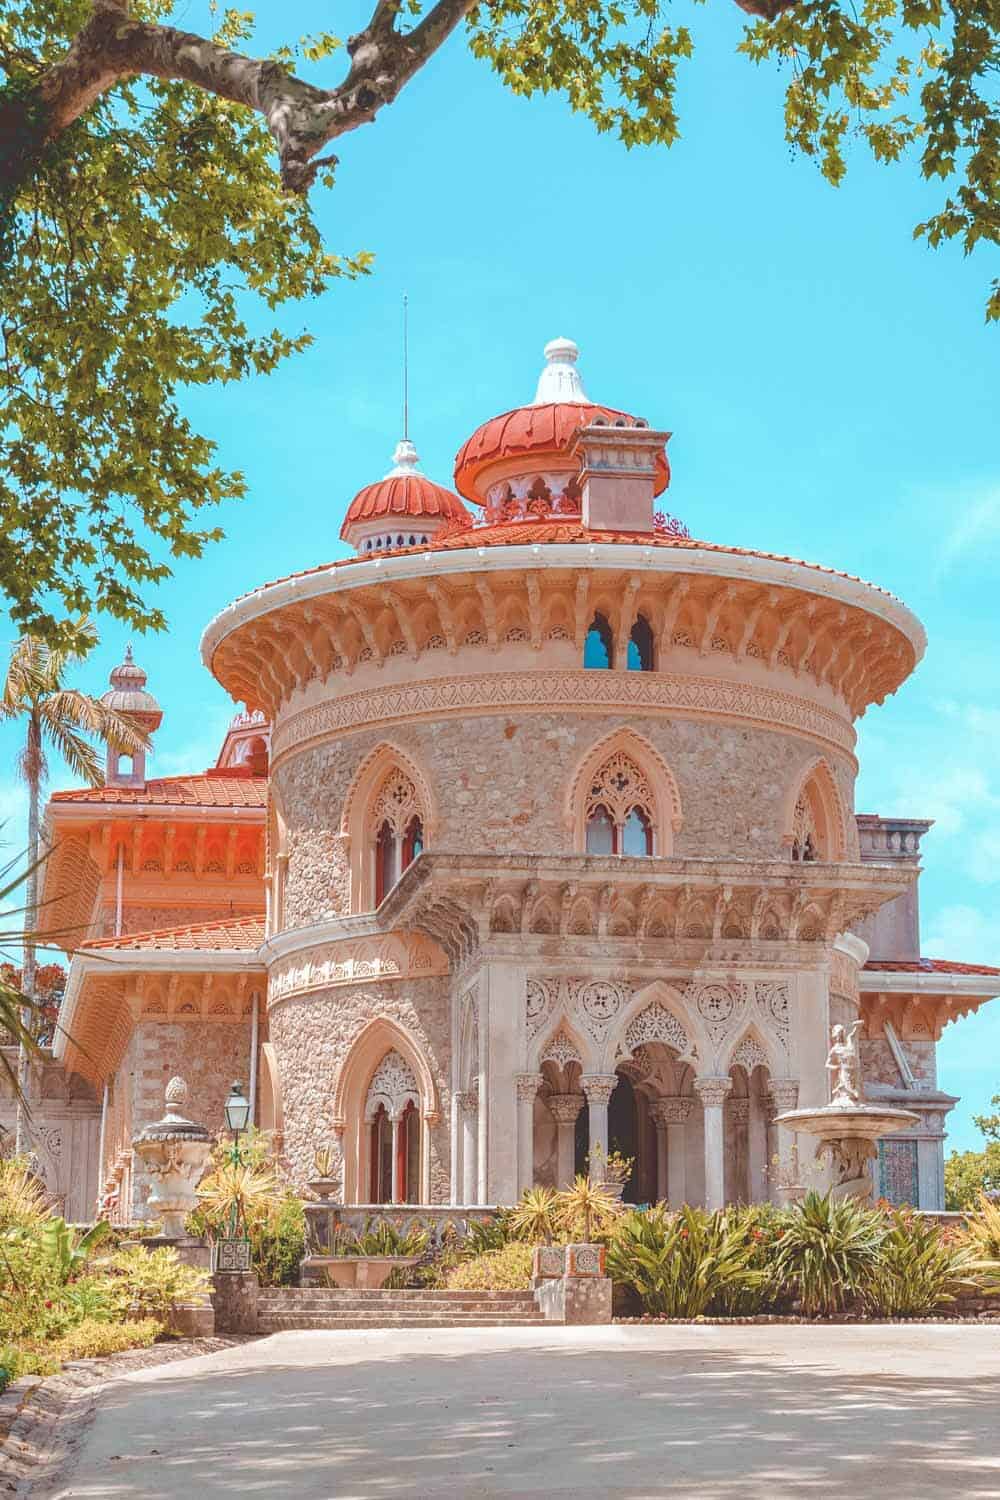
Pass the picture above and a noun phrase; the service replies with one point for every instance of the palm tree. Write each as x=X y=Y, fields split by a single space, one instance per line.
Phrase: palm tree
x=59 y=718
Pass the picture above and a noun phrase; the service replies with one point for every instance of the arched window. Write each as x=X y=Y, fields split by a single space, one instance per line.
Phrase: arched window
x=599 y=646
x=805 y=843
x=640 y=646
x=399 y=831
x=393 y=1132
x=619 y=815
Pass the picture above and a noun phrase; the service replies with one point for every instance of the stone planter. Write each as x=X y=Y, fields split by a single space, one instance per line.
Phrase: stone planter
x=323 y=1187
x=360 y=1272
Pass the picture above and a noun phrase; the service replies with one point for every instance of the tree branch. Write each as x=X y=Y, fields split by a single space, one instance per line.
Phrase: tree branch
x=112 y=45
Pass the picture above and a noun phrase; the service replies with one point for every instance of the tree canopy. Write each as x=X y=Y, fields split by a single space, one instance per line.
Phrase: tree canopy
x=154 y=186
x=969 y=1173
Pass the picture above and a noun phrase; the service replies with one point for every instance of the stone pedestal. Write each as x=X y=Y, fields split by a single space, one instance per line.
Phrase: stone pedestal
x=581 y=1293
x=235 y=1297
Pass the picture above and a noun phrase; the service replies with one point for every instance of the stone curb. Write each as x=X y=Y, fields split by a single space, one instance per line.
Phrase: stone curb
x=32 y=1408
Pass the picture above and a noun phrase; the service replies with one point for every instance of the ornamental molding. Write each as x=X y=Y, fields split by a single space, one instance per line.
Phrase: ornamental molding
x=843 y=976
x=671 y=1110
x=599 y=1087
x=712 y=1091
x=527 y=1085
x=628 y=693
x=400 y=955
x=564 y=1108
x=392 y=1088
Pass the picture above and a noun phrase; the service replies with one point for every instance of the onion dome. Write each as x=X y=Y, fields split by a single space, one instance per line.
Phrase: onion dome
x=404 y=509
x=127 y=695
x=527 y=452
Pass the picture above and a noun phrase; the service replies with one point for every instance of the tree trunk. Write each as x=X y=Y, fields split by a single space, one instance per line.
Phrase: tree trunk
x=33 y=760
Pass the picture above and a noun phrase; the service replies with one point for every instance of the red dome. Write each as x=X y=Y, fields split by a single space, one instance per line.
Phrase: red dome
x=538 y=431
x=405 y=492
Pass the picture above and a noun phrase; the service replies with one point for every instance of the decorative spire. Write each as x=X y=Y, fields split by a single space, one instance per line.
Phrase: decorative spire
x=405 y=461
x=560 y=380
x=127 y=675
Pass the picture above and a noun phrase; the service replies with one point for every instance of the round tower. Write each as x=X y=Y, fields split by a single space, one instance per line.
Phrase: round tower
x=127 y=695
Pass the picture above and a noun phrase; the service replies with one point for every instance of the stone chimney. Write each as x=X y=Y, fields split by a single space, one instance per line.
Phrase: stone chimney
x=894 y=930
x=618 y=474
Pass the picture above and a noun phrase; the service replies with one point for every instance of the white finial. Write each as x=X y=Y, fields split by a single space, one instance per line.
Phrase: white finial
x=560 y=379
x=405 y=461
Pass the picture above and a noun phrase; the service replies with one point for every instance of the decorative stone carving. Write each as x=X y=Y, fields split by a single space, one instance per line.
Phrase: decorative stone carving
x=528 y=1084
x=562 y=1050
x=849 y=1159
x=597 y=1003
x=468 y=1101
x=393 y=1086
x=739 y=1111
x=396 y=803
x=585 y=1260
x=749 y=1055
x=564 y=1108
x=671 y=1110
x=540 y=997
x=619 y=787
x=712 y=1091
x=657 y=1024
x=174 y=1153
x=549 y=1262
x=599 y=1087
x=773 y=1002
x=785 y=1094
x=719 y=1006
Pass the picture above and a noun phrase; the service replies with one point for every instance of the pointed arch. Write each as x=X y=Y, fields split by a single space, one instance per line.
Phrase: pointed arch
x=815 y=808
x=562 y=1043
x=667 y=817
x=373 y=772
x=373 y=1043
x=657 y=1012
x=752 y=1050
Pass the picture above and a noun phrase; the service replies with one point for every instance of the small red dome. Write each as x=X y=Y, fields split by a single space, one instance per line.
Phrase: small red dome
x=538 y=431
x=405 y=492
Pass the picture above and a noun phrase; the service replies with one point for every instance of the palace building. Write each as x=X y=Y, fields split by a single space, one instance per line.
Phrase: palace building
x=534 y=838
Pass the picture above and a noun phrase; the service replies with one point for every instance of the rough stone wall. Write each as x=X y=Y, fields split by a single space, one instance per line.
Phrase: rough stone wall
x=500 y=785
x=879 y=1066
x=312 y=1035
x=208 y=1055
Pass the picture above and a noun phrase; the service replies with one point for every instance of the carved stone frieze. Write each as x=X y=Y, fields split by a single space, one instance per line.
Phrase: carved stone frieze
x=713 y=1091
x=657 y=1024
x=599 y=1087
x=720 y=1006
x=773 y=1002
x=749 y=1055
x=671 y=1110
x=400 y=955
x=561 y=1049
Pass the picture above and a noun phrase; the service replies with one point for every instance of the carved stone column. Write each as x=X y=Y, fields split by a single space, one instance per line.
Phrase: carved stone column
x=527 y=1085
x=670 y=1116
x=598 y=1088
x=738 y=1111
x=564 y=1109
x=712 y=1093
x=468 y=1103
x=784 y=1096
x=396 y=1173
x=757 y=1150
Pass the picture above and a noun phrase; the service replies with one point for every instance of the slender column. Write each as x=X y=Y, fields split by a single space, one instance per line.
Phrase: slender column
x=469 y=1105
x=670 y=1115
x=712 y=1093
x=564 y=1109
x=785 y=1095
x=397 y=1166
x=738 y=1112
x=527 y=1085
x=598 y=1088
x=757 y=1149
x=456 y=1148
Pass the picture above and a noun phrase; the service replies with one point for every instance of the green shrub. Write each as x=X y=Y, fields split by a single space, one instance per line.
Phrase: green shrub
x=92 y=1338
x=758 y=1224
x=22 y=1198
x=505 y=1270
x=381 y=1238
x=278 y=1245
x=828 y=1249
x=919 y=1269
x=679 y=1263
x=153 y=1282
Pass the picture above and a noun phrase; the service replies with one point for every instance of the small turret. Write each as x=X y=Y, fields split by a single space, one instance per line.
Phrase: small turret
x=127 y=695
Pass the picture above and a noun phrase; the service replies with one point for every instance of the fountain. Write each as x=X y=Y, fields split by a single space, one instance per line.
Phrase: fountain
x=847 y=1129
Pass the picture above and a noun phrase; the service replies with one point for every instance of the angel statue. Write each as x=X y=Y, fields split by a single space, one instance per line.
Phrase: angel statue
x=842 y=1061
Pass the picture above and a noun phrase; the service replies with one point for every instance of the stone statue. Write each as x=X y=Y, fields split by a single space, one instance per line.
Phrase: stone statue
x=842 y=1061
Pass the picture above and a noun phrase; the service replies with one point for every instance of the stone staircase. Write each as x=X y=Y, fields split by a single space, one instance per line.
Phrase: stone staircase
x=281 y=1308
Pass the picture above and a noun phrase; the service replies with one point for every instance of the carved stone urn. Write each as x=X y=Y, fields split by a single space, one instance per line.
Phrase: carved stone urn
x=174 y=1152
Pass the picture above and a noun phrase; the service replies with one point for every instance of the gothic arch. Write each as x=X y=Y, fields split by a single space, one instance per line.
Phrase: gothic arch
x=562 y=1043
x=272 y=1110
x=750 y=1050
x=377 y=765
x=817 y=788
x=667 y=815
x=379 y=1037
x=668 y=1021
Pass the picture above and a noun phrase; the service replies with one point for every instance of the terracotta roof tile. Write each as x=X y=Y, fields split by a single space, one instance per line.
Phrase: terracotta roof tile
x=926 y=966
x=405 y=495
x=244 y=933
x=228 y=788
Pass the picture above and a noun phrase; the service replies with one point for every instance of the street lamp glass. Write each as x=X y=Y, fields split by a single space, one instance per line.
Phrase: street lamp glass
x=237 y=1109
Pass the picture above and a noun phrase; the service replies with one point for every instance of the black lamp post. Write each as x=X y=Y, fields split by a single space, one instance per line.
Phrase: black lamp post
x=237 y=1113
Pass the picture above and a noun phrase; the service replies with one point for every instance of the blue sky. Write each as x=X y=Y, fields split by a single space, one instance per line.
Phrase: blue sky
x=830 y=384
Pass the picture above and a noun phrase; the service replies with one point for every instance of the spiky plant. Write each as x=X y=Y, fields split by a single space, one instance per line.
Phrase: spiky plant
x=680 y=1263
x=920 y=1270
x=535 y=1216
x=585 y=1207
x=827 y=1249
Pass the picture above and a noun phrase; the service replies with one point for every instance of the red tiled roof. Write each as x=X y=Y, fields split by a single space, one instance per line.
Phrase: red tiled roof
x=555 y=532
x=233 y=787
x=926 y=966
x=405 y=495
x=539 y=430
x=244 y=933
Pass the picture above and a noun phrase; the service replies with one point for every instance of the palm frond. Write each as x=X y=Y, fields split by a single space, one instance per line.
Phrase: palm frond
x=80 y=755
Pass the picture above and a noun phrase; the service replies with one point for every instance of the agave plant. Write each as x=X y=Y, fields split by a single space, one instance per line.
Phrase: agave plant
x=585 y=1207
x=23 y=1204
x=679 y=1263
x=535 y=1217
x=246 y=1193
x=827 y=1250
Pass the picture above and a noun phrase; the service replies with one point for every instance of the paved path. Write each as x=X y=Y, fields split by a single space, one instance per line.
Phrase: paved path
x=890 y=1412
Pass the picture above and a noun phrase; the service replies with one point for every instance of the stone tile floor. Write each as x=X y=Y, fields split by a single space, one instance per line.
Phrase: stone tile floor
x=894 y=1412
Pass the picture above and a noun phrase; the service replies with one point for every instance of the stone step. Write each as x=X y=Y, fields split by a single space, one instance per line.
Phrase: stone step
x=267 y=1308
x=407 y=1293
x=287 y=1322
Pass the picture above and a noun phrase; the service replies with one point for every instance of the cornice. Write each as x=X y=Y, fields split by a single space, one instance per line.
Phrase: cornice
x=879 y=982
x=542 y=691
